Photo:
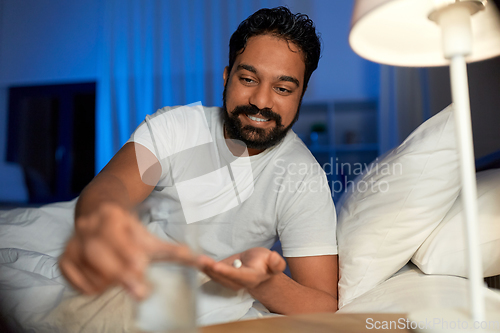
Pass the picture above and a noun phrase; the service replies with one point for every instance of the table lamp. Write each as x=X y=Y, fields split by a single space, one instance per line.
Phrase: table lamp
x=424 y=33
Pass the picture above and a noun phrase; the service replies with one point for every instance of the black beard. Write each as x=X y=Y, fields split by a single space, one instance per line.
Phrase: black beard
x=254 y=137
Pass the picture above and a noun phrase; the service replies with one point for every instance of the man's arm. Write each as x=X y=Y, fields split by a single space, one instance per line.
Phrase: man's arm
x=110 y=246
x=312 y=289
x=120 y=181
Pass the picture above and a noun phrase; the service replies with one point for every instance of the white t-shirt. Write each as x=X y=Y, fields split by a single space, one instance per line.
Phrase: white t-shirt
x=230 y=204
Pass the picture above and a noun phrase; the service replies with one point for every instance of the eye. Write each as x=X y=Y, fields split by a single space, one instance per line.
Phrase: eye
x=247 y=80
x=282 y=90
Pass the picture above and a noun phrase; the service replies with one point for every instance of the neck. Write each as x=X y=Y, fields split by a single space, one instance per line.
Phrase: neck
x=252 y=151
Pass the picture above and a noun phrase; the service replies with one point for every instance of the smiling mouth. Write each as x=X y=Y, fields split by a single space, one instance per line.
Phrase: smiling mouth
x=257 y=119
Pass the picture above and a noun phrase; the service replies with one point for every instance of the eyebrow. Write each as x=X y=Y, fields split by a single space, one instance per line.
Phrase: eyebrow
x=252 y=69
x=289 y=79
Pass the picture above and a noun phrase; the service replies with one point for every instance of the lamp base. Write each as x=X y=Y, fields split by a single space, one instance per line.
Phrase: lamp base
x=451 y=321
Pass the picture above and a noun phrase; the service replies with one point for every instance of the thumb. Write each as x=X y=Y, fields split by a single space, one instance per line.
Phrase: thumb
x=276 y=263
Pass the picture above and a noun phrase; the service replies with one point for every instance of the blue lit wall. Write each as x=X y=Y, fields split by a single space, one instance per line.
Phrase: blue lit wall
x=59 y=41
x=42 y=42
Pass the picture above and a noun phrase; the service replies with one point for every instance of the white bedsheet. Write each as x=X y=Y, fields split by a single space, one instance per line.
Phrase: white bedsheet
x=410 y=290
x=35 y=297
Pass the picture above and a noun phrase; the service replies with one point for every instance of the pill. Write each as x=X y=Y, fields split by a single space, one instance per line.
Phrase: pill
x=237 y=263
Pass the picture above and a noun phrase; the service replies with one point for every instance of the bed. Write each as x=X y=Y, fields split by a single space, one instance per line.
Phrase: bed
x=399 y=233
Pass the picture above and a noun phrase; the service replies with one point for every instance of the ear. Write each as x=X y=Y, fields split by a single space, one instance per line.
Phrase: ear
x=225 y=75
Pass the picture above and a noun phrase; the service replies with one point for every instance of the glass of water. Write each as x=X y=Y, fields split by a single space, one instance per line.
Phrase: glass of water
x=171 y=304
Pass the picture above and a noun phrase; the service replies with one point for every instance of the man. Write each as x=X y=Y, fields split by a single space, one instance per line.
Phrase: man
x=272 y=56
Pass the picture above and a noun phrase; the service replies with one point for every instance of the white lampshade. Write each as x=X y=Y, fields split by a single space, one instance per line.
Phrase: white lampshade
x=400 y=33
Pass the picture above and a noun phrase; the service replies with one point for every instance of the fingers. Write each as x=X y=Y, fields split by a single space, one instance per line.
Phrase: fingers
x=243 y=276
x=119 y=238
x=207 y=264
x=204 y=262
x=72 y=273
x=259 y=264
x=110 y=257
x=111 y=247
x=107 y=266
x=87 y=276
x=222 y=278
x=138 y=288
x=101 y=254
x=82 y=275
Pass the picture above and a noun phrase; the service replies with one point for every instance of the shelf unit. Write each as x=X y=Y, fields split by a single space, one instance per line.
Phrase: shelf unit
x=342 y=135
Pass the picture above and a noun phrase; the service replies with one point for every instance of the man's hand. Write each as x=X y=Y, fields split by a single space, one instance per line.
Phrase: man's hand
x=258 y=265
x=111 y=247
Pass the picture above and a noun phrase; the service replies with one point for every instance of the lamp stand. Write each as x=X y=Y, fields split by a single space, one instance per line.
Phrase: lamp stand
x=457 y=43
x=463 y=130
x=451 y=320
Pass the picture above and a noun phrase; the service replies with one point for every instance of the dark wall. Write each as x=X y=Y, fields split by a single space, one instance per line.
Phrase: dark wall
x=484 y=90
x=51 y=135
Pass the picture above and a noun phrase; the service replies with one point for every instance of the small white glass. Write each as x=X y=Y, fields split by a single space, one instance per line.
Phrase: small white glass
x=171 y=305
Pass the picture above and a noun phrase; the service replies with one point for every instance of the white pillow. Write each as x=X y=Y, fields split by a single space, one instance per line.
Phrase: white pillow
x=444 y=251
x=389 y=212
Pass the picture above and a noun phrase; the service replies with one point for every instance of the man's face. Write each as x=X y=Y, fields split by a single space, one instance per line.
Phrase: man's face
x=262 y=94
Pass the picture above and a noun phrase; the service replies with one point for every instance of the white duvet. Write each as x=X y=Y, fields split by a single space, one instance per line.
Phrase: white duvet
x=35 y=297
x=410 y=290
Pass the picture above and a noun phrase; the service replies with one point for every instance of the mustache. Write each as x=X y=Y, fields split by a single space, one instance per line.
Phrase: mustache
x=253 y=110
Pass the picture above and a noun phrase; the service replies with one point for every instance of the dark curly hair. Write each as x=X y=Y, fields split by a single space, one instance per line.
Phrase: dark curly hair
x=280 y=22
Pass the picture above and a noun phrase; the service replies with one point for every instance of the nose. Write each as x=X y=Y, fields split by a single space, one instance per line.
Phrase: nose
x=261 y=97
